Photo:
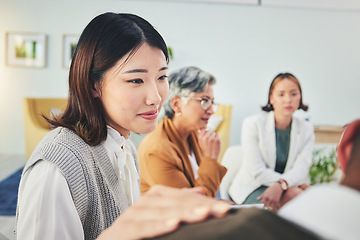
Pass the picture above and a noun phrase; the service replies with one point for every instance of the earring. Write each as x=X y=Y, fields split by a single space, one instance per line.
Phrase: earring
x=178 y=114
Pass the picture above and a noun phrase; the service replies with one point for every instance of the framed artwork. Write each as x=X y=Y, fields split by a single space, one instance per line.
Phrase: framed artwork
x=26 y=49
x=69 y=46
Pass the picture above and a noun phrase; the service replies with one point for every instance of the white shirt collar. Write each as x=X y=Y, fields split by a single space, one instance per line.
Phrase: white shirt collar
x=123 y=162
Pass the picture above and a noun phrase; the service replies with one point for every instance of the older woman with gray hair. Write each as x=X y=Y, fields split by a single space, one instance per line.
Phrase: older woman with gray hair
x=181 y=152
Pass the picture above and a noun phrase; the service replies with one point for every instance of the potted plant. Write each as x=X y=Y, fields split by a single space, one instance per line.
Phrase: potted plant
x=324 y=167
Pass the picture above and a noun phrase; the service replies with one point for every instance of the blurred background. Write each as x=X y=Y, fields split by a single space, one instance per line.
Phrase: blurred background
x=244 y=43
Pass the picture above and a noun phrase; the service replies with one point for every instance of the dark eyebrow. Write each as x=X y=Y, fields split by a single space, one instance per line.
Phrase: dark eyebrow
x=143 y=70
x=136 y=71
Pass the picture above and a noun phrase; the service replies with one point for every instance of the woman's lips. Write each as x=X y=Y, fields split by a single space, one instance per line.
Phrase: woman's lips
x=205 y=120
x=288 y=108
x=149 y=115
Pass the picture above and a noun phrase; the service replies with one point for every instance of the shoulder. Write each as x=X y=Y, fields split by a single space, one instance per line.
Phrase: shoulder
x=154 y=139
x=60 y=145
x=303 y=124
x=61 y=135
x=259 y=119
x=64 y=149
x=157 y=143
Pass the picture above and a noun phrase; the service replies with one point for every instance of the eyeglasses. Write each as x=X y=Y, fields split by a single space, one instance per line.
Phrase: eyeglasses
x=206 y=103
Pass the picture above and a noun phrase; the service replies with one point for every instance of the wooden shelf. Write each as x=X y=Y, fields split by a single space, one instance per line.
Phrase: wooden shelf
x=327 y=133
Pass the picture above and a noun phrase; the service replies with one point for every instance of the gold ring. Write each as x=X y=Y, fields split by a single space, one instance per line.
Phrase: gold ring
x=268 y=208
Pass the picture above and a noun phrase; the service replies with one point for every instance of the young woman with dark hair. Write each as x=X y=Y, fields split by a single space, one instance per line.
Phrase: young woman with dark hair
x=276 y=149
x=281 y=76
x=82 y=179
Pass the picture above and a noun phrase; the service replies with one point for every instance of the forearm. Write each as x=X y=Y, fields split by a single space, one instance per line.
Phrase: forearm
x=210 y=173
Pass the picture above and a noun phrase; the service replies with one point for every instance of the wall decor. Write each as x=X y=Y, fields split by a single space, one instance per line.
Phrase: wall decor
x=26 y=49
x=69 y=45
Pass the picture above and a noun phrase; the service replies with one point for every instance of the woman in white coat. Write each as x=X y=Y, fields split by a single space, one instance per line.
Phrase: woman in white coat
x=277 y=149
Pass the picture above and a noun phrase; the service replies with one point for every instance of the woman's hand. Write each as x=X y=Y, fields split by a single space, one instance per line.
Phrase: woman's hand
x=271 y=197
x=161 y=210
x=209 y=143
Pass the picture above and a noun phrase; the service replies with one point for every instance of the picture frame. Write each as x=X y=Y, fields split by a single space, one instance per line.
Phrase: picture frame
x=26 y=49
x=69 y=45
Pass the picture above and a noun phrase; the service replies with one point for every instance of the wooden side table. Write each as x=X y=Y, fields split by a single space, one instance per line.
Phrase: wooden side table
x=327 y=133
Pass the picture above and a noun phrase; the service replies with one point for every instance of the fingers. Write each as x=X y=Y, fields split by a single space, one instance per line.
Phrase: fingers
x=209 y=143
x=271 y=198
x=130 y=228
x=208 y=135
x=189 y=201
x=162 y=209
x=270 y=204
x=198 y=190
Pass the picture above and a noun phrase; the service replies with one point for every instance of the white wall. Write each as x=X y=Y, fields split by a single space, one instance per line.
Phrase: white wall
x=243 y=46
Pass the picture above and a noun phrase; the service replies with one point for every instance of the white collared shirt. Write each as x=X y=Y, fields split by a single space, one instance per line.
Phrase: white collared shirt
x=118 y=149
x=194 y=164
x=47 y=208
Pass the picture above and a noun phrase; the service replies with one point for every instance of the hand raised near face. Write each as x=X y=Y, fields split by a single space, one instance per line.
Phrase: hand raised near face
x=209 y=143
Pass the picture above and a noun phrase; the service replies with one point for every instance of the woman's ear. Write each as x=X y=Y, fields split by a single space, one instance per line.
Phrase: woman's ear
x=96 y=91
x=176 y=104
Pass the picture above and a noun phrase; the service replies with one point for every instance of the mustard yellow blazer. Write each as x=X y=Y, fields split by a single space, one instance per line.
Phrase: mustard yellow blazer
x=163 y=160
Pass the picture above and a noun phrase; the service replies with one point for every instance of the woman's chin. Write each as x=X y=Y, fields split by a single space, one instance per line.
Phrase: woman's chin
x=145 y=129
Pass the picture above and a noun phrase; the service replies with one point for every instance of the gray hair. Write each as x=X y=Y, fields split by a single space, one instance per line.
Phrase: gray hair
x=185 y=81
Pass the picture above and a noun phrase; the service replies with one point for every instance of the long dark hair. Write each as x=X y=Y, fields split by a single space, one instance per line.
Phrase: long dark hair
x=104 y=41
x=269 y=107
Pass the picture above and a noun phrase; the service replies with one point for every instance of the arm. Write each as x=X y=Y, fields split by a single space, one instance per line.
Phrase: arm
x=252 y=154
x=46 y=209
x=273 y=196
x=161 y=210
x=210 y=170
x=165 y=169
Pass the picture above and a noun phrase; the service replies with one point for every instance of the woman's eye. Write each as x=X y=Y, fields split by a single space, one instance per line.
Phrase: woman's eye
x=136 y=81
x=204 y=101
x=164 y=77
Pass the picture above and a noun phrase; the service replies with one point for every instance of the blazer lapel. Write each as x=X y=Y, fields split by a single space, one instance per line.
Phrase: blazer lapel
x=175 y=138
x=294 y=141
x=270 y=143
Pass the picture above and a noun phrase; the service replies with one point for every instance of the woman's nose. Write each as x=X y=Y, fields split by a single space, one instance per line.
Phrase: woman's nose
x=210 y=110
x=288 y=98
x=153 y=97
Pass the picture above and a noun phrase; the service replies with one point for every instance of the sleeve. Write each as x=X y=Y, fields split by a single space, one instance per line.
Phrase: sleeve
x=297 y=175
x=162 y=169
x=210 y=173
x=168 y=170
x=46 y=209
x=252 y=154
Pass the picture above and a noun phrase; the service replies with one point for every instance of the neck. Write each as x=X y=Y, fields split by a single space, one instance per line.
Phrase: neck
x=282 y=122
